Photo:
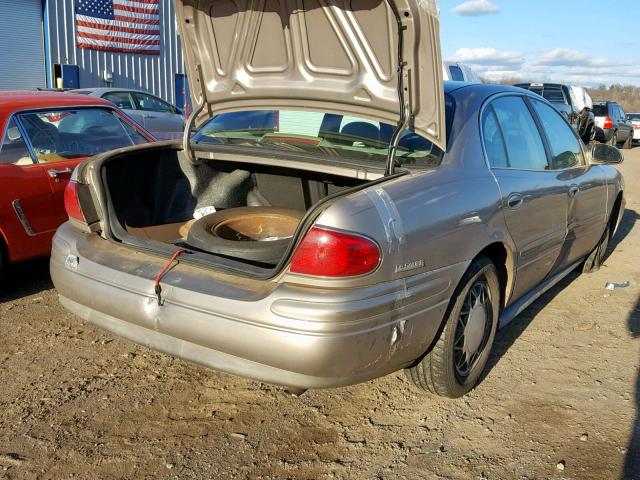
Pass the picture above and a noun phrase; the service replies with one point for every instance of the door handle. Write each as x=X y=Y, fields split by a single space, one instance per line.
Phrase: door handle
x=573 y=190
x=56 y=174
x=515 y=201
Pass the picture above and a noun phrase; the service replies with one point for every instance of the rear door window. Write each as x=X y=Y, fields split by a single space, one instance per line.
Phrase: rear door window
x=522 y=140
x=494 y=146
x=563 y=143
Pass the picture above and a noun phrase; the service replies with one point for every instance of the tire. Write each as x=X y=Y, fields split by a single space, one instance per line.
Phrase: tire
x=613 y=141
x=206 y=234
x=628 y=142
x=597 y=257
x=589 y=136
x=441 y=370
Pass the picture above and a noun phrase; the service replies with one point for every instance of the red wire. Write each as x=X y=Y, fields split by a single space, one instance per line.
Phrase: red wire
x=167 y=266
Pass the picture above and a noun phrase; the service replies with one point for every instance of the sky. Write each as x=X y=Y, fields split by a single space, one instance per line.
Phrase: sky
x=588 y=42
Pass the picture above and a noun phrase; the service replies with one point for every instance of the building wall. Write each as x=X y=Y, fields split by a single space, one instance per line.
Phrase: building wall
x=152 y=73
x=21 y=44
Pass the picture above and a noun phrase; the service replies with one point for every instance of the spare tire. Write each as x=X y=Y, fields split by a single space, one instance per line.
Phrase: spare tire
x=260 y=234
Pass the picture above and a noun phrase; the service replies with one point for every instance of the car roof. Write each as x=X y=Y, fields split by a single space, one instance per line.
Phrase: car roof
x=486 y=88
x=27 y=99
x=102 y=90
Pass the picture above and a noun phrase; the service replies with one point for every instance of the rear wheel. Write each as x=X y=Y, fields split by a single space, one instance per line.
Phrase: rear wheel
x=613 y=141
x=628 y=142
x=455 y=362
x=597 y=256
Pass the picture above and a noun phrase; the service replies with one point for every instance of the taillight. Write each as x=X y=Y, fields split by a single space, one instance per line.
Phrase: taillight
x=72 y=202
x=328 y=253
x=608 y=123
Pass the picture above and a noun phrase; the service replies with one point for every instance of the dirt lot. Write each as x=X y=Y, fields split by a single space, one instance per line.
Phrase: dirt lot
x=562 y=391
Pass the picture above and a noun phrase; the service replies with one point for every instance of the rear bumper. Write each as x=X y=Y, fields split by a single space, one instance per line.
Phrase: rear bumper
x=278 y=333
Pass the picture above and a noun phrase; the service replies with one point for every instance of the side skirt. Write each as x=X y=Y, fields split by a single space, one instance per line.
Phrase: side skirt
x=517 y=307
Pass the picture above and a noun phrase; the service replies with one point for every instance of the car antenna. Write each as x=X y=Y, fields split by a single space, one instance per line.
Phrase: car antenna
x=404 y=118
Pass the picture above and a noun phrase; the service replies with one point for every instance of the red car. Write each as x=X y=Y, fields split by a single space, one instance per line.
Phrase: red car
x=44 y=136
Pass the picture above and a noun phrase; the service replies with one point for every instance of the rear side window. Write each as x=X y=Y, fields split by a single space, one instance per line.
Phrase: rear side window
x=493 y=141
x=153 y=104
x=120 y=99
x=520 y=135
x=456 y=73
x=564 y=146
x=57 y=135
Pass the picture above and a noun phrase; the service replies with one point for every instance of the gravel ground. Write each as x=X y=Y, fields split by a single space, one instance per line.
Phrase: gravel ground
x=559 y=400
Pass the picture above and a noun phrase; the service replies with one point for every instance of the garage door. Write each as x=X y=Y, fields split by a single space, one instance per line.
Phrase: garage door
x=21 y=44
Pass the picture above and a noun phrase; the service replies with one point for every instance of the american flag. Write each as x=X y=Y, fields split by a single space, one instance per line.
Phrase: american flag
x=127 y=26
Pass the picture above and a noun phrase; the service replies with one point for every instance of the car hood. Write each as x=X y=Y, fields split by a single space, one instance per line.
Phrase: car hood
x=334 y=56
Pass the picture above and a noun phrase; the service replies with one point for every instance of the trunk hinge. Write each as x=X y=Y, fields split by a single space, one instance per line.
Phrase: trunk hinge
x=188 y=129
x=403 y=86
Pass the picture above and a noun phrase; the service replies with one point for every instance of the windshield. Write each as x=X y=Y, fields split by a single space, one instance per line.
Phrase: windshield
x=65 y=134
x=338 y=138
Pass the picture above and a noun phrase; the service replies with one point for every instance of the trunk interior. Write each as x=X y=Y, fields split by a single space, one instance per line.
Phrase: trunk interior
x=247 y=212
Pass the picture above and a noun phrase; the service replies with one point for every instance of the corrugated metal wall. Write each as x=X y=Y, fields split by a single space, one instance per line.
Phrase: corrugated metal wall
x=21 y=51
x=152 y=73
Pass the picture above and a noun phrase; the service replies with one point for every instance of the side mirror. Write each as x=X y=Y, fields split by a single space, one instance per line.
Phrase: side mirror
x=601 y=153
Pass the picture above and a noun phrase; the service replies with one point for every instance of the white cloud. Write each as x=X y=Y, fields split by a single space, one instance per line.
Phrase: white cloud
x=487 y=56
x=562 y=56
x=476 y=8
x=555 y=65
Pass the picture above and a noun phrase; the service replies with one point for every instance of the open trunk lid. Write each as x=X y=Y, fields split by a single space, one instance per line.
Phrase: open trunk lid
x=357 y=57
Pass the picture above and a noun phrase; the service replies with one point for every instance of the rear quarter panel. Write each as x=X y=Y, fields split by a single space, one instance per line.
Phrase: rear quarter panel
x=429 y=220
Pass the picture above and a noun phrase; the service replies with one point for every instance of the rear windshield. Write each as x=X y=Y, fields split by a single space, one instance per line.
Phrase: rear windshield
x=634 y=116
x=338 y=138
x=552 y=93
x=600 y=110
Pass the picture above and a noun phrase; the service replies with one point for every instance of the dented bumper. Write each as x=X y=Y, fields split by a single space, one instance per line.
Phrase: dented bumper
x=299 y=336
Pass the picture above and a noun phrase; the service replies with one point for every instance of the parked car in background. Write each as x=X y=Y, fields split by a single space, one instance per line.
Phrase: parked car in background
x=163 y=120
x=635 y=123
x=459 y=72
x=44 y=136
x=324 y=243
x=572 y=101
x=612 y=125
